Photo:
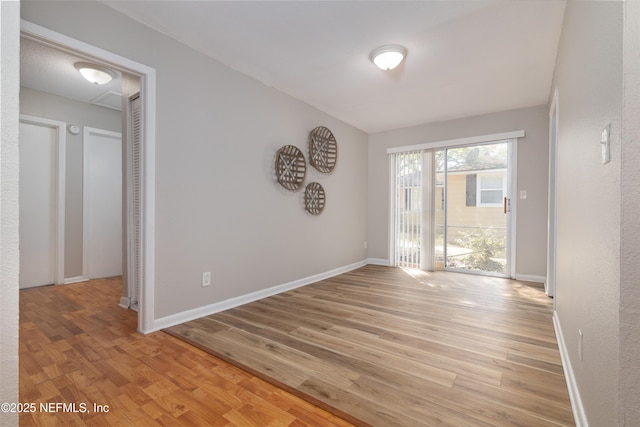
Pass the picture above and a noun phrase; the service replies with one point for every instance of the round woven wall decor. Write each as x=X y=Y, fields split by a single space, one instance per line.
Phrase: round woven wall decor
x=323 y=149
x=314 y=198
x=290 y=167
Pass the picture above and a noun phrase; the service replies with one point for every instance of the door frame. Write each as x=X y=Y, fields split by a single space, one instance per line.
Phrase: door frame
x=147 y=76
x=60 y=172
x=550 y=282
x=474 y=140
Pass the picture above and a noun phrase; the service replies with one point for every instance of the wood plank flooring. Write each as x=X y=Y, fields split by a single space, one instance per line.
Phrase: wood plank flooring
x=78 y=347
x=388 y=347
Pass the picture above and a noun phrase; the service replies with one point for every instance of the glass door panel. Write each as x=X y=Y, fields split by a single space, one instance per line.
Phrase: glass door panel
x=472 y=214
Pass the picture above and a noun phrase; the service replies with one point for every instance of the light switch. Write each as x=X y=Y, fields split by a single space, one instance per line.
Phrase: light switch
x=523 y=194
x=606 y=146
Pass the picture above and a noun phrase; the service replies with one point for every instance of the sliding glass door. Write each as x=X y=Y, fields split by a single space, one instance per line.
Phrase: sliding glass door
x=472 y=208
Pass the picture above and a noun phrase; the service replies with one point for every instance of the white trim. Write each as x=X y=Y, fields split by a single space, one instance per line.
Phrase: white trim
x=475 y=172
x=476 y=272
x=473 y=140
x=146 y=297
x=147 y=77
x=125 y=302
x=76 y=279
x=579 y=414
x=512 y=187
x=378 y=261
x=552 y=230
x=60 y=196
x=185 y=316
x=530 y=278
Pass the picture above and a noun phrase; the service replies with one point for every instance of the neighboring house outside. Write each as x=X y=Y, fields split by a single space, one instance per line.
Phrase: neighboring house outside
x=475 y=199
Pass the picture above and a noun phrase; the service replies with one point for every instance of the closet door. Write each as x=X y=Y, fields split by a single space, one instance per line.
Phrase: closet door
x=135 y=213
x=102 y=203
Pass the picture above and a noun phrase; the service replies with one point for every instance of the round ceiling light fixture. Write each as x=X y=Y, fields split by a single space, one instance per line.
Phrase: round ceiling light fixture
x=388 y=57
x=96 y=74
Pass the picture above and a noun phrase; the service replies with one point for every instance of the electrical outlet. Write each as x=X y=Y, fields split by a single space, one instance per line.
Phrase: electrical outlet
x=206 y=278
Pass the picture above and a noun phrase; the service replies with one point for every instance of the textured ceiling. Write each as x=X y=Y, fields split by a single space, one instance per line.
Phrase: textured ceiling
x=49 y=70
x=465 y=57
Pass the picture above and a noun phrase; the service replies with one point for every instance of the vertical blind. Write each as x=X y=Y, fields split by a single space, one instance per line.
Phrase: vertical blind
x=407 y=208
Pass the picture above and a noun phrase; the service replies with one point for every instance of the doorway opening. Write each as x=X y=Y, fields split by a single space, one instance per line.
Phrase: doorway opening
x=138 y=263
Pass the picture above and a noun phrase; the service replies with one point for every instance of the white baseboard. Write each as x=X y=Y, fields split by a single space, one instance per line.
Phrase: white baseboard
x=574 y=394
x=75 y=279
x=185 y=316
x=531 y=278
x=378 y=261
x=124 y=302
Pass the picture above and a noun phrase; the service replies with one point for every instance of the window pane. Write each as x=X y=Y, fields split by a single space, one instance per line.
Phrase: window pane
x=490 y=181
x=491 y=196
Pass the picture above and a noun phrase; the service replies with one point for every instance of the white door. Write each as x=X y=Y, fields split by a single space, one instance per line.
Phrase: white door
x=41 y=201
x=102 y=203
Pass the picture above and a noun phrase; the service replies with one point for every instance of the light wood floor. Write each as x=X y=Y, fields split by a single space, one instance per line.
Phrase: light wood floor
x=78 y=347
x=389 y=347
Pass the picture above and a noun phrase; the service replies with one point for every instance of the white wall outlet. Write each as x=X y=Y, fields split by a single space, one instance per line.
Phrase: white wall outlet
x=606 y=146
x=206 y=278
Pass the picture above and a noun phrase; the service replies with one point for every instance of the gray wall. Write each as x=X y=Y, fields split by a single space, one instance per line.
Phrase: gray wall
x=533 y=168
x=41 y=104
x=588 y=78
x=218 y=207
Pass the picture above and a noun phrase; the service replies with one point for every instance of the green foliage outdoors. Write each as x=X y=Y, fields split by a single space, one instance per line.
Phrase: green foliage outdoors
x=487 y=245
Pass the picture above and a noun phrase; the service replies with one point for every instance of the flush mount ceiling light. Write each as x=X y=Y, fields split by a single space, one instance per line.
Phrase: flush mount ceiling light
x=388 y=57
x=96 y=74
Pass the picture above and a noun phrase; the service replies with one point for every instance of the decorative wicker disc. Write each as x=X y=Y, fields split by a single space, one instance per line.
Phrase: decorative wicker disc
x=290 y=167
x=314 y=198
x=323 y=149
